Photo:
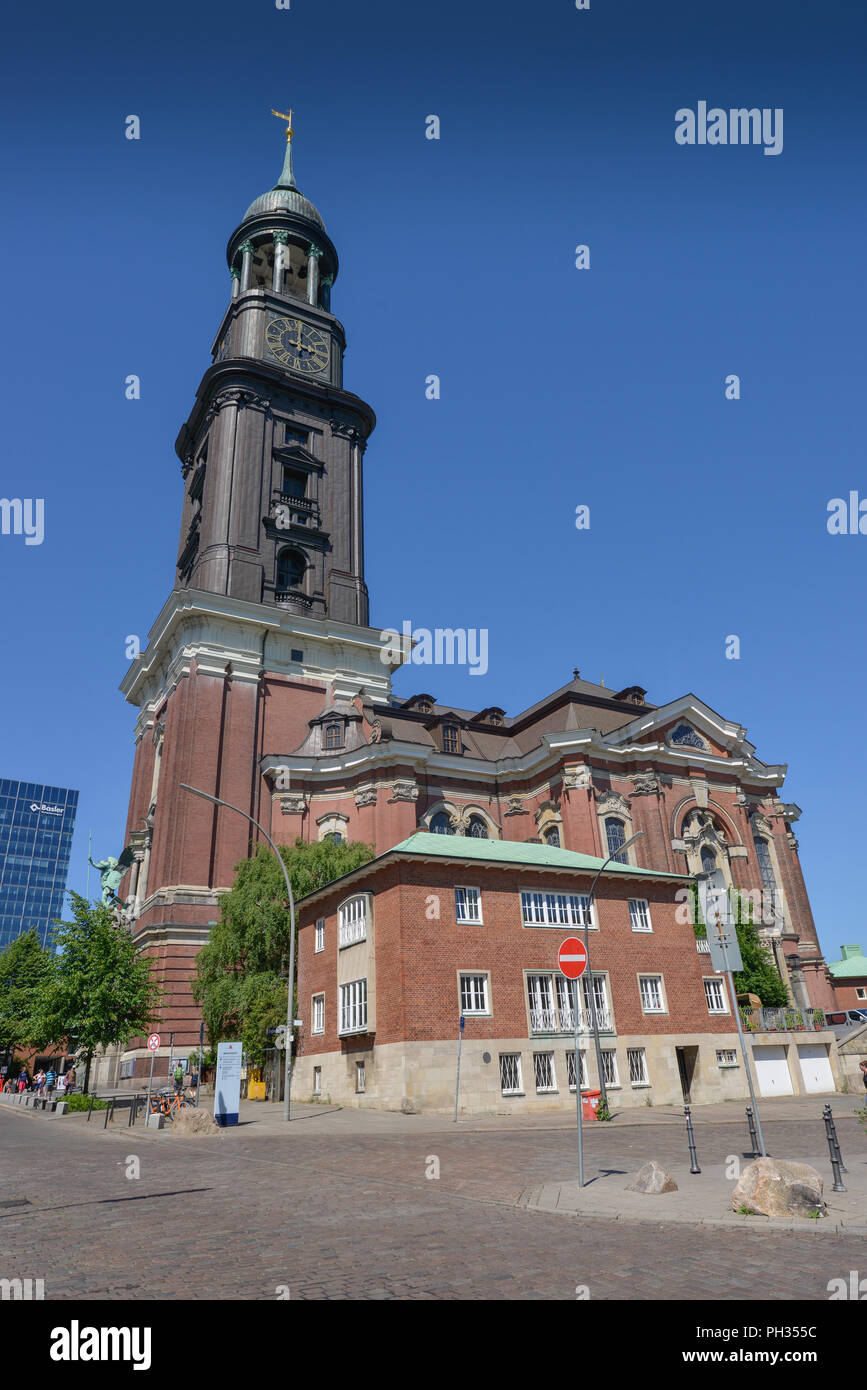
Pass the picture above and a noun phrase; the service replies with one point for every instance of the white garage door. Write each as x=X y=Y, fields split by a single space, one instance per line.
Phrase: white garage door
x=772 y=1071
x=815 y=1067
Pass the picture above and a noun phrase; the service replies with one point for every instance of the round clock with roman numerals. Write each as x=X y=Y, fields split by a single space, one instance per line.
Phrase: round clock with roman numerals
x=297 y=345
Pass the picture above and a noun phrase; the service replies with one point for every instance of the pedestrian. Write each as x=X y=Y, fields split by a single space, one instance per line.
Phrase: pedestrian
x=22 y=1081
x=179 y=1079
x=40 y=1081
x=863 y=1066
x=50 y=1081
x=70 y=1080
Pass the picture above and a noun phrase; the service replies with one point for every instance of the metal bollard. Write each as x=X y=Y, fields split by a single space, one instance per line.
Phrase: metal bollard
x=132 y=1105
x=754 y=1138
x=90 y=1111
x=835 y=1162
x=107 y=1113
x=693 y=1157
x=833 y=1131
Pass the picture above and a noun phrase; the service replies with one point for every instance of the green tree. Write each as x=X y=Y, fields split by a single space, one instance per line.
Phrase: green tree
x=241 y=973
x=101 y=990
x=25 y=967
x=760 y=974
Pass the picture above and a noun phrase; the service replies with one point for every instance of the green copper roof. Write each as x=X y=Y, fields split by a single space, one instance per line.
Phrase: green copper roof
x=428 y=846
x=510 y=852
x=285 y=196
x=853 y=964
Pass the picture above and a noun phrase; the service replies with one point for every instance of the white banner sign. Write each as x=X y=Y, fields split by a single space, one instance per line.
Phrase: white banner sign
x=227 y=1083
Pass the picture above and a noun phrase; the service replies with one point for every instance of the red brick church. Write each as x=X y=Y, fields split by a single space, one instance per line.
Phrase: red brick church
x=263 y=683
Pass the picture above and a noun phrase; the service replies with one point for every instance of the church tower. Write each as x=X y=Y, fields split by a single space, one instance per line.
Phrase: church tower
x=267 y=621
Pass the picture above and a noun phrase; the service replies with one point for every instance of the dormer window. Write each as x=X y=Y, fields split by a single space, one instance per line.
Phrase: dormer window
x=333 y=735
x=451 y=738
x=425 y=707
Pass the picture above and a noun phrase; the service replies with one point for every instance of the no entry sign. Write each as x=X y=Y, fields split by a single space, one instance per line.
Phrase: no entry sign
x=572 y=958
x=154 y=1041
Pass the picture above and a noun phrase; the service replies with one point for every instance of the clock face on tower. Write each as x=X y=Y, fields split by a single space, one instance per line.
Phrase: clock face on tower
x=297 y=345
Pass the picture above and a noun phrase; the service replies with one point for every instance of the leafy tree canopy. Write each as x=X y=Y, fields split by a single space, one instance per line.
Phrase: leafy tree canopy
x=25 y=967
x=241 y=974
x=101 y=990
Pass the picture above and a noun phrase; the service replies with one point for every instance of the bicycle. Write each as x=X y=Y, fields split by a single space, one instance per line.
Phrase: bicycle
x=165 y=1102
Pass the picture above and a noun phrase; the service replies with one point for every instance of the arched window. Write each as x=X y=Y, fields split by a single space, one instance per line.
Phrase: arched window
x=442 y=824
x=615 y=833
x=766 y=868
x=708 y=860
x=477 y=828
x=552 y=836
x=333 y=735
x=291 y=565
x=334 y=837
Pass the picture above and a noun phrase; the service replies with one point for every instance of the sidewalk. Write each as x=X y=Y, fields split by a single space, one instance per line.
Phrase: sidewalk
x=704 y=1198
x=264 y=1117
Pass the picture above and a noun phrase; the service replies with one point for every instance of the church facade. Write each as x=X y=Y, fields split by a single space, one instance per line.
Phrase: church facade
x=263 y=684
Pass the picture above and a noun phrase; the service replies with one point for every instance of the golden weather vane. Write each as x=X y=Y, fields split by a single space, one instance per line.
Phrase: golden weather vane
x=283 y=117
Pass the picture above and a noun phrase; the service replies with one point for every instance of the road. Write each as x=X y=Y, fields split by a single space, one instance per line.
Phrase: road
x=353 y=1215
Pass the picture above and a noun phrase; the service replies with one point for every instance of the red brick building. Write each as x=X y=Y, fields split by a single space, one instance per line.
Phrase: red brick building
x=263 y=683
x=391 y=956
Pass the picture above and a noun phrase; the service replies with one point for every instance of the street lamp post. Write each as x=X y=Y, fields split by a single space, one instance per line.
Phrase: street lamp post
x=594 y=1015
x=290 y=1019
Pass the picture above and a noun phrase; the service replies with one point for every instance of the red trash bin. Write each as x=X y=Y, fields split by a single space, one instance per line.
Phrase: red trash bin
x=589 y=1102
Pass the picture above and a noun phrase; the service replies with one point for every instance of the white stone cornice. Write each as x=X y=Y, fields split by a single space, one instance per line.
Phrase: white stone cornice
x=216 y=631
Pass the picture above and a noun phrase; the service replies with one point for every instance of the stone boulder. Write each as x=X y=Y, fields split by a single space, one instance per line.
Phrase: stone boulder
x=191 y=1123
x=776 y=1187
x=652 y=1178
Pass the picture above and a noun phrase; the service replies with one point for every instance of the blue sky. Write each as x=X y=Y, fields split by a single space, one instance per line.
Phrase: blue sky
x=559 y=387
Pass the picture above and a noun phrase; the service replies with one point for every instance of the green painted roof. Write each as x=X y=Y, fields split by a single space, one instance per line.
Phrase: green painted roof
x=425 y=844
x=428 y=846
x=852 y=966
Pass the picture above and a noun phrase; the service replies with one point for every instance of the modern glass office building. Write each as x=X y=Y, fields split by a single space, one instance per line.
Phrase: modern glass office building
x=36 y=825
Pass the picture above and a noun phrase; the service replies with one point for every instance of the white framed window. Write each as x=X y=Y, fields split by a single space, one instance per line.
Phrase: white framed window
x=726 y=1057
x=360 y=1078
x=639 y=914
x=637 y=1066
x=317 y=1081
x=702 y=945
x=609 y=1068
x=557 y=910
x=510 y=1074
x=352 y=921
x=596 y=995
x=652 y=1001
x=570 y=1068
x=468 y=905
x=543 y=1071
x=474 y=994
x=860 y=992
x=319 y=943
x=552 y=1001
x=715 y=996
x=540 y=994
x=318 y=1024
x=353 y=1007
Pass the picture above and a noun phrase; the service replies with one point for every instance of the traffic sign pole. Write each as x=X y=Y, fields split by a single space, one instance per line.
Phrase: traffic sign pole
x=153 y=1044
x=458 y=1076
x=572 y=962
x=578 y=1090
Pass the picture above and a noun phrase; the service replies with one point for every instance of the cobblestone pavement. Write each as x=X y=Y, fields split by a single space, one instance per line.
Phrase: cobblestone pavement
x=239 y=1215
